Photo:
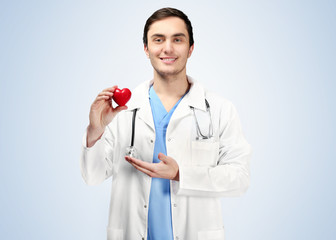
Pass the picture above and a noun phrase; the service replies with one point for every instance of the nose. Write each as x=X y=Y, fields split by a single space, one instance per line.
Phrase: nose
x=168 y=47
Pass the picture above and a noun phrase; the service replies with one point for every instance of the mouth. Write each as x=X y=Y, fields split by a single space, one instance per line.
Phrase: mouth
x=168 y=60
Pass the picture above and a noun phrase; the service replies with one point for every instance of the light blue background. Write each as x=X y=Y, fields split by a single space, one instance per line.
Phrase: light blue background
x=275 y=60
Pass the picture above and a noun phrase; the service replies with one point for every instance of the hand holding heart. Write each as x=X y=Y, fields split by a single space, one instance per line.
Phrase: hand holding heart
x=102 y=112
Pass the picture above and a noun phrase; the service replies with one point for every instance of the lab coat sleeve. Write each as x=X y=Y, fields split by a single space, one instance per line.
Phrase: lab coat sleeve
x=96 y=161
x=230 y=177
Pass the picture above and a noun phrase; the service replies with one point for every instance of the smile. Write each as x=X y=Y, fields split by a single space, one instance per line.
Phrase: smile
x=168 y=60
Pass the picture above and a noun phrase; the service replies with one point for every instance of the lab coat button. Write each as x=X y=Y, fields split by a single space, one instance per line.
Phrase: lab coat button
x=177 y=238
x=151 y=141
x=169 y=139
x=175 y=205
x=145 y=206
x=143 y=238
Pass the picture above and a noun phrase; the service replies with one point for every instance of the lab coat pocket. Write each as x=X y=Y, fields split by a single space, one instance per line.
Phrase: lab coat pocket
x=211 y=235
x=204 y=153
x=115 y=234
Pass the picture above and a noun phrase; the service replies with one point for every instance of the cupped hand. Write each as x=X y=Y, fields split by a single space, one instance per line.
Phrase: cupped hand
x=167 y=168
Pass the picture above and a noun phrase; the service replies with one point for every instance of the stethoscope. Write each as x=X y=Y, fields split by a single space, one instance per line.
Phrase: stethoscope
x=132 y=151
x=200 y=135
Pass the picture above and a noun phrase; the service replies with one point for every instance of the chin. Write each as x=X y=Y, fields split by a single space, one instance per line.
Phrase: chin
x=168 y=73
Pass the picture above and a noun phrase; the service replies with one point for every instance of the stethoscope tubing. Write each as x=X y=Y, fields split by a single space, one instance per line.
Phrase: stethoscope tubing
x=199 y=133
x=133 y=126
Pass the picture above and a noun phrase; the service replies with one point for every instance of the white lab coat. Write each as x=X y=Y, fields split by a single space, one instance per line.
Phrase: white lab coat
x=209 y=169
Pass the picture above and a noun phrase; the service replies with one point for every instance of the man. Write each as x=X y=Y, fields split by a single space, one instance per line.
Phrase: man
x=190 y=147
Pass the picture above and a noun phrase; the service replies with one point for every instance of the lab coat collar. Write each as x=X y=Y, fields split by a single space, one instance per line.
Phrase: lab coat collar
x=194 y=98
x=140 y=100
x=196 y=95
x=140 y=96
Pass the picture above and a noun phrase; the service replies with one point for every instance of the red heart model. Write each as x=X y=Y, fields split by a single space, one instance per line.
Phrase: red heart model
x=122 y=96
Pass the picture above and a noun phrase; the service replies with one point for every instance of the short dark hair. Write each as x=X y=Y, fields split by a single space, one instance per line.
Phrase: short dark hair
x=164 y=13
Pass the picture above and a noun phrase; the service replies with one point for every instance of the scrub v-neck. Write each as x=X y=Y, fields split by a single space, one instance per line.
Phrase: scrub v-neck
x=159 y=211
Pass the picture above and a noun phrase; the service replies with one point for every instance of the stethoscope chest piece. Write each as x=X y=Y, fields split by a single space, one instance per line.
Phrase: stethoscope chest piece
x=131 y=151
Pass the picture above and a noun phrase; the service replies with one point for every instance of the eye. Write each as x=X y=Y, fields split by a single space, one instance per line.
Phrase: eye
x=158 y=40
x=178 y=40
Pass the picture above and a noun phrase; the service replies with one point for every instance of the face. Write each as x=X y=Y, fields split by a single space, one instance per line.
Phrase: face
x=168 y=46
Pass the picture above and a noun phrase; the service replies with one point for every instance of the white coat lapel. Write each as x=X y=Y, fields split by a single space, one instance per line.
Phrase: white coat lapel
x=140 y=100
x=145 y=114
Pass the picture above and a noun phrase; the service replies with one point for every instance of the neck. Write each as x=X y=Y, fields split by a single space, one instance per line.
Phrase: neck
x=173 y=86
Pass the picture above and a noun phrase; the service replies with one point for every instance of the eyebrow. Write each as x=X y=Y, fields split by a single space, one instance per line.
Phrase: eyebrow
x=175 y=35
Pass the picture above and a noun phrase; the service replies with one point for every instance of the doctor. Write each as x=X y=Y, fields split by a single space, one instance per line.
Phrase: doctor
x=190 y=146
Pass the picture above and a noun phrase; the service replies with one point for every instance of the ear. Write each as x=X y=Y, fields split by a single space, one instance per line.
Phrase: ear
x=191 y=49
x=146 y=50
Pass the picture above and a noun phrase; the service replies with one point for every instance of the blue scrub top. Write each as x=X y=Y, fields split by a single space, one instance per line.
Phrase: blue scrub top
x=159 y=210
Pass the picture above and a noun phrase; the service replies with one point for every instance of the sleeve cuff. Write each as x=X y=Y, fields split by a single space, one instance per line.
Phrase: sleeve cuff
x=84 y=141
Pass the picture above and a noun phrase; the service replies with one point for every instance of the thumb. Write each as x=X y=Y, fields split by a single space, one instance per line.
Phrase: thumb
x=120 y=108
x=163 y=157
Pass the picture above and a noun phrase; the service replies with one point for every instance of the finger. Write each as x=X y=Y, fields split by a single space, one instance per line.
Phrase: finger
x=102 y=98
x=105 y=93
x=146 y=171
x=98 y=102
x=111 y=89
x=149 y=173
x=142 y=164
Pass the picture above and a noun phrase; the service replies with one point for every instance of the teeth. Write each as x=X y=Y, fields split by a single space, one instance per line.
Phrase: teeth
x=168 y=59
